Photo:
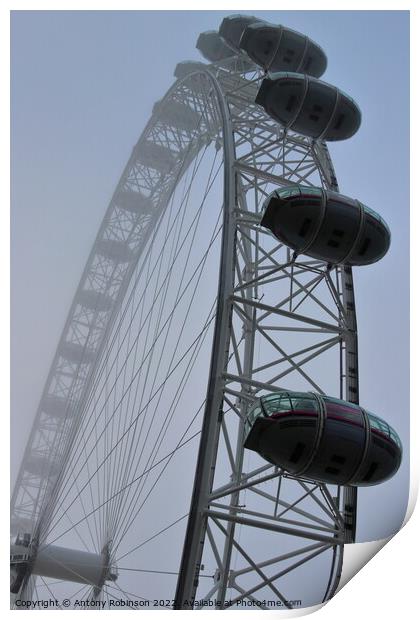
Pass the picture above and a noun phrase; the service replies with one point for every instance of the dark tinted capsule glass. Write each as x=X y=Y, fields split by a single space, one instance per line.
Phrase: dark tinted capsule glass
x=233 y=27
x=260 y=42
x=212 y=46
x=323 y=438
x=326 y=225
x=276 y=48
x=309 y=106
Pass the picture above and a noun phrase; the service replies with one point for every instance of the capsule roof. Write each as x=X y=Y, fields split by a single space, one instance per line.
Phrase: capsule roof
x=309 y=106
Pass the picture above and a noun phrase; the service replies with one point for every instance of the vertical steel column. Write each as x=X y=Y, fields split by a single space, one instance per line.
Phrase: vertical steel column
x=351 y=364
x=197 y=522
x=352 y=392
x=249 y=339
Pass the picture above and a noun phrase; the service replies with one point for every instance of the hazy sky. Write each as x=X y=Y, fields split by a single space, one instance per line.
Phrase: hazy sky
x=83 y=87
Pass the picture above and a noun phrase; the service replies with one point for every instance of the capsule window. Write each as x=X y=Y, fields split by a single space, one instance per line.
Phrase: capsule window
x=364 y=247
x=343 y=410
x=291 y=48
x=332 y=470
x=281 y=98
x=317 y=191
x=254 y=414
x=304 y=403
x=305 y=227
x=339 y=229
x=333 y=243
x=297 y=452
x=276 y=403
x=268 y=47
x=304 y=202
x=291 y=103
x=389 y=448
x=378 y=424
x=395 y=437
x=316 y=112
x=307 y=64
x=338 y=459
x=282 y=194
x=339 y=122
x=370 y=472
x=288 y=56
x=345 y=121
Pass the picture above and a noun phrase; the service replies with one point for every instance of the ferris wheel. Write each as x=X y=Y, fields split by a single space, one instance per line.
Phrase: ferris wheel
x=149 y=480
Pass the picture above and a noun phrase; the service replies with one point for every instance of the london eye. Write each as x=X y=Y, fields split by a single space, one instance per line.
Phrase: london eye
x=199 y=441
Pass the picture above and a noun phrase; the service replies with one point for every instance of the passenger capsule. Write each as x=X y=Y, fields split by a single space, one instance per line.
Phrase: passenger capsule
x=59 y=406
x=95 y=300
x=156 y=156
x=133 y=201
x=212 y=46
x=326 y=225
x=77 y=353
x=40 y=466
x=116 y=250
x=21 y=524
x=232 y=28
x=276 y=48
x=186 y=67
x=323 y=438
x=177 y=115
x=309 y=106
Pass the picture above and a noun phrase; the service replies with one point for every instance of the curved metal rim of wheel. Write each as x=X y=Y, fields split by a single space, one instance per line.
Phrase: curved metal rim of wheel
x=257 y=154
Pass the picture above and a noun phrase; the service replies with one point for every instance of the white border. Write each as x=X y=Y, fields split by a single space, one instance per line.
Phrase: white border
x=388 y=584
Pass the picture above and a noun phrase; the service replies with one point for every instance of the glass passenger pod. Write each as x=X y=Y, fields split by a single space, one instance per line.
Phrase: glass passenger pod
x=232 y=28
x=326 y=225
x=156 y=156
x=19 y=523
x=282 y=427
x=212 y=46
x=186 y=67
x=116 y=250
x=133 y=201
x=40 y=466
x=177 y=115
x=309 y=106
x=20 y=557
x=95 y=300
x=385 y=452
x=276 y=48
x=351 y=447
x=59 y=406
x=77 y=353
